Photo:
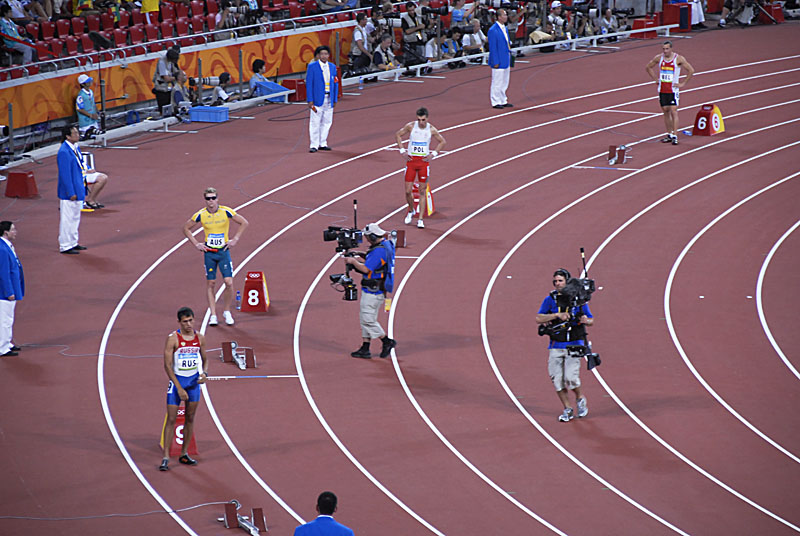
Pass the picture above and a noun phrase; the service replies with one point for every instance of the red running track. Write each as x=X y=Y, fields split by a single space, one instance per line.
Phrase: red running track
x=457 y=434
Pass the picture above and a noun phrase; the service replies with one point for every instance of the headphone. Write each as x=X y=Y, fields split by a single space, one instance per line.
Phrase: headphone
x=562 y=272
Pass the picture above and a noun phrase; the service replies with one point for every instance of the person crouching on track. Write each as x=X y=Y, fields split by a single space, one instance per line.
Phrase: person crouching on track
x=417 y=158
x=187 y=367
x=377 y=283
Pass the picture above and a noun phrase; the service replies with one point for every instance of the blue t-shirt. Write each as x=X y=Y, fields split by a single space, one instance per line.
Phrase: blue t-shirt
x=549 y=306
x=377 y=258
x=85 y=102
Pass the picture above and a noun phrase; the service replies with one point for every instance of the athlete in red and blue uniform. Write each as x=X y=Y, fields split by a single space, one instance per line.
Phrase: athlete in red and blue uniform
x=669 y=84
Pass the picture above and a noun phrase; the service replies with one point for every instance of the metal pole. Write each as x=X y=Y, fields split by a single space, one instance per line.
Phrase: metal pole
x=102 y=105
x=338 y=48
x=11 y=130
x=199 y=82
x=241 y=75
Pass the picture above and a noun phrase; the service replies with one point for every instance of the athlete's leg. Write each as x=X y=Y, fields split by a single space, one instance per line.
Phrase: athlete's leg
x=169 y=427
x=188 y=427
x=410 y=196
x=211 y=285
x=667 y=118
x=423 y=199
x=674 y=119
x=227 y=296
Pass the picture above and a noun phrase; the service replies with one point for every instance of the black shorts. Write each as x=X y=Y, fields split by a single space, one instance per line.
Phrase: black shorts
x=668 y=99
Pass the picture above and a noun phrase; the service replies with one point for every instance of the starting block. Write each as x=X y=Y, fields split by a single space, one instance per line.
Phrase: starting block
x=708 y=121
x=618 y=155
x=177 y=438
x=430 y=208
x=241 y=355
x=254 y=525
x=401 y=239
x=256 y=295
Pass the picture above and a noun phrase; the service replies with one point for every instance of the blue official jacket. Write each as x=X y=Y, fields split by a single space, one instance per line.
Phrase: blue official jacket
x=315 y=84
x=323 y=526
x=12 y=280
x=70 y=177
x=499 y=51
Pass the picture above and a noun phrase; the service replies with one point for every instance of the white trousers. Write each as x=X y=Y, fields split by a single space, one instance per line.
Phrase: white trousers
x=697 y=12
x=500 y=79
x=320 y=124
x=68 y=224
x=6 y=324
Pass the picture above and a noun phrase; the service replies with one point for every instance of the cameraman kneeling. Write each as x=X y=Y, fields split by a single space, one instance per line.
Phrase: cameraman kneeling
x=567 y=328
x=378 y=270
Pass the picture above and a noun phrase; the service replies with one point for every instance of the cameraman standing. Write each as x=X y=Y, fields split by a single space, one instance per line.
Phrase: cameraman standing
x=378 y=281
x=413 y=34
x=567 y=328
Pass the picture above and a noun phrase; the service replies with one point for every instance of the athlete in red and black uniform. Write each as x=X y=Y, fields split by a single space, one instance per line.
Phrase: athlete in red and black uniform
x=669 y=84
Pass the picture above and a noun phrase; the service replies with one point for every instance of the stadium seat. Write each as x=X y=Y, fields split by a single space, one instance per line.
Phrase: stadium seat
x=182 y=29
x=212 y=7
x=277 y=6
x=48 y=30
x=93 y=23
x=167 y=29
x=86 y=44
x=107 y=21
x=197 y=8
x=295 y=10
x=120 y=37
x=71 y=44
x=198 y=24
x=310 y=7
x=137 y=17
x=278 y=26
x=124 y=19
x=32 y=28
x=137 y=38
x=211 y=22
x=56 y=46
x=167 y=11
x=343 y=17
x=151 y=31
x=62 y=26
x=181 y=11
x=78 y=26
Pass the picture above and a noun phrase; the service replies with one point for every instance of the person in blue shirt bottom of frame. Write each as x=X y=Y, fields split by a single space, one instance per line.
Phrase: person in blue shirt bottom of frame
x=565 y=369
x=324 y=524
x=377 y=284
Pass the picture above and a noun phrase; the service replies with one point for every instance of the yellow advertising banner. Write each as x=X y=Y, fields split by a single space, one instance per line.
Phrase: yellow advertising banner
x=45 y=98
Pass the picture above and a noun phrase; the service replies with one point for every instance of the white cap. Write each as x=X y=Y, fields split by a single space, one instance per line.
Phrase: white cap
x=83 y=78
x=374 y=229
x=555 y=4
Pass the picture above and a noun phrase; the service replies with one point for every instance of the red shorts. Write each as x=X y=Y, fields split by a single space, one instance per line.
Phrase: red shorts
x=416 y=167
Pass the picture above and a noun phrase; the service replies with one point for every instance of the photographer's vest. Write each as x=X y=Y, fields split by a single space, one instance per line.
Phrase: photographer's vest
x=386 y=272
x=668 y=74
x=359 y=33
x=576 y=333
x=415 y=38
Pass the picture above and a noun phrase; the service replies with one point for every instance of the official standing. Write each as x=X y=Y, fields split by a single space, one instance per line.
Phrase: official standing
x=500 y=60
x=324 y=524
x=377 y=284
x=322 y=88
x=12 y=287
x=71 y=191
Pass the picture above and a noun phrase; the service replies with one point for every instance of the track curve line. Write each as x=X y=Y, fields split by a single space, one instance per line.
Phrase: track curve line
x=760 y=306
x=668 y=311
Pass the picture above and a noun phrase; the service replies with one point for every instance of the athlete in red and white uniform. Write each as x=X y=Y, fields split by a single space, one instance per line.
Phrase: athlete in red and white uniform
x=185 y=364
x=668 y=79
x=417 y=158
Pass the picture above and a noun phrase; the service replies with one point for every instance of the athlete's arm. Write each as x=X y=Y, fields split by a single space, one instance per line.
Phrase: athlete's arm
x=439 y=138
x=650 y=66
x=203 y=375
x=399 y=137
x=187 y=231
x=169 y=350
x=689 y=70
x=243 y=223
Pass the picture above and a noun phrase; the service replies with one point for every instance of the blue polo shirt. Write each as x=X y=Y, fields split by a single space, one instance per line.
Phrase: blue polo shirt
x=549 y=306
x=377 y=258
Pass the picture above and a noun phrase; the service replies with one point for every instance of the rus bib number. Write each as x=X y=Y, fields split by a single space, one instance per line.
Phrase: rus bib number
x=187 y=363
x=215 y=240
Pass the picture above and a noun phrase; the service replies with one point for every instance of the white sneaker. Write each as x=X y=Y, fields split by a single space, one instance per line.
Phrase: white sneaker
x=228 y=317
x=566 y=416
x=420 y=224
x=213 y=320
x=583 y=410
x=409 y=216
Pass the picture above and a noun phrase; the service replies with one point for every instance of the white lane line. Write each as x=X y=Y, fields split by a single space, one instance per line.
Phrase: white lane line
x=500 y=378
x=759 y=305
x=671 y=327
x=151 y=268
x=628 y=112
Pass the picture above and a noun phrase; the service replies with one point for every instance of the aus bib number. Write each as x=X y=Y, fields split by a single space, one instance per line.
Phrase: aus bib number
x=215 y=240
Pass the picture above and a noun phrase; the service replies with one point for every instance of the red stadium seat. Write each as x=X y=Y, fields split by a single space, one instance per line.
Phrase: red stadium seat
x=124 y=18
x=278 y=26
x=93 y=23
x=137 y=17
x=33 y=30
x=277 y=6
x=295 y=10
x=197 y=8
x=78 y=26
x=212 y=6
x=48 y=30
x=310 y=7
x=137 y=38
x=56 y=46
x=182 y=29
x=120 y=37
x=329 y=19
x=181 y=11
x=343 y=17
x=167 y=11
x=107 y=20
x=62 y=25
x=71 y=44
x=167 y=29
x=211 y=22
x=151 y=31
x=86 y=44
x=198 y=24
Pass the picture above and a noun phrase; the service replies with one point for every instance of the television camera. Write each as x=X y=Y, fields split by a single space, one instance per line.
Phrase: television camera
x=576 y=292
x=346 y=239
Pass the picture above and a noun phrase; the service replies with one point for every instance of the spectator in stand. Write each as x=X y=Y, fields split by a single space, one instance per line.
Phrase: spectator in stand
x=150 y=11
x=332 y=6
x=459 y=15
x=226 y=18
x=359 y=49
x=259 y=68
x=24 y=12
x=8 y=28
x=86 y=108
x=83 y=8
x=383 y=58
x=164 y=78
x=220 y=95
x=475 y=42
